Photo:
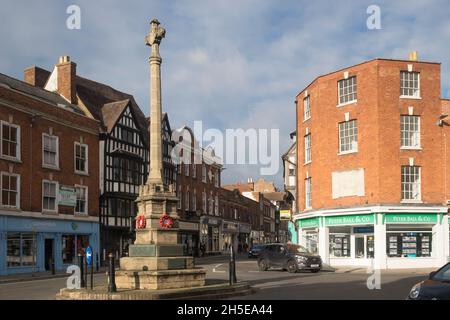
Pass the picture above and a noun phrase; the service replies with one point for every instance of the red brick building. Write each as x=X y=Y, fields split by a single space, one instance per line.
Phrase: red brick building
x=198 y=184
x=49 y=174
x=371 y=165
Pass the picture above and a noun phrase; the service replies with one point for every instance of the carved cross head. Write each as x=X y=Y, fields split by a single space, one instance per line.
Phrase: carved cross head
x=156 y=33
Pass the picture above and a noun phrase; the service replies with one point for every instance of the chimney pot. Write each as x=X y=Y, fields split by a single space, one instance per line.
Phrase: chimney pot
x=413 y=56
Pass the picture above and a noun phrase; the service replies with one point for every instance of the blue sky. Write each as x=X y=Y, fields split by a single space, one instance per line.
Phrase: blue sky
x=231 y=64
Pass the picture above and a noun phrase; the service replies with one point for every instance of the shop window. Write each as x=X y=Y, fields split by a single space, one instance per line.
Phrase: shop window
x=340 y=245
x=409 y=244
x=68 y=249
x=21 y=249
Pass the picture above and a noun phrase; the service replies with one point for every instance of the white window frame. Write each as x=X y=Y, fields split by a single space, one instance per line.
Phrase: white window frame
x=216 y=205
x=415 y=186
x=216 y=178
x=180 y=197
x=203 y=173
x=414 y=136
x=194 y=171
x=204 y=202
x=347 y=84
x=308 y=193
x=49 y=166
x=187 y=200
x=416 y=94
x=56 y=196
x=194 y=200
x=86 y=200
x=186 y=169
x=306 y=108
x=18 y=144
x=350 y=133
x=308 y=151
x=86 y=172
x=4 y=173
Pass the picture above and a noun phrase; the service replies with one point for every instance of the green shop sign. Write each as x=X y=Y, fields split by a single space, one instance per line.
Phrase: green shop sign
x=309 y=223
x=411 y=218
x=350 y=219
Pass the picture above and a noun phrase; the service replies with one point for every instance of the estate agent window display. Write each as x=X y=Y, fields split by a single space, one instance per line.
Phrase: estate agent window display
x=409 y=243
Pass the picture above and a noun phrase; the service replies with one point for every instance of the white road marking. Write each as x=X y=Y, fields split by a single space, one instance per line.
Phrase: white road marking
x=214 y=269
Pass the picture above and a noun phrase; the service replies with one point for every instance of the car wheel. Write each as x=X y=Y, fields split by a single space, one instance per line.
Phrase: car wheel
x=315 y=271
x=291 y=266
x=263 y=266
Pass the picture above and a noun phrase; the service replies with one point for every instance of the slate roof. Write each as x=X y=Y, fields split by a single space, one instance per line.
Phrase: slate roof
x=49 y=97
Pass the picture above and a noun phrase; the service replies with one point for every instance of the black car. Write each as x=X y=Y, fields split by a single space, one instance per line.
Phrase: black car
x=289 y=257
x=436 y=287
x=255 y=251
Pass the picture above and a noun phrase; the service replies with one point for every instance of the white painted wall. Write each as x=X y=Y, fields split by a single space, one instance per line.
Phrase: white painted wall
x=347 y=183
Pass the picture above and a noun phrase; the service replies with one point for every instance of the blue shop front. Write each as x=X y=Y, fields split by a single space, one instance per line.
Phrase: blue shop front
x=33 y=244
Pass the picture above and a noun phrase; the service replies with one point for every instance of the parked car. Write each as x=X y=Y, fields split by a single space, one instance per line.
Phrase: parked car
x=255 y=251
x=436 y=287
x=289 y=257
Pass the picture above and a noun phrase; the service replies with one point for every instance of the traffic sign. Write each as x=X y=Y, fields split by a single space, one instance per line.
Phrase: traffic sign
x=89 y=255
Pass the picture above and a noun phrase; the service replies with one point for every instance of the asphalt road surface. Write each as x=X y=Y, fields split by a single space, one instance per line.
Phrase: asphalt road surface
x=348 y=284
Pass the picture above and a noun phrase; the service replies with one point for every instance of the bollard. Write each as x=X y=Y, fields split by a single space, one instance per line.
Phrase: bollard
x=81 y=265
x=112 y=274
x=232 y=268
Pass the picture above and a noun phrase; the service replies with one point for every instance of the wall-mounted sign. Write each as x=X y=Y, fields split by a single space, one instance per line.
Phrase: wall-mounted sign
x=411 y=218
x=309 y=223
x=67 y=196
x=349 y=219
x=285 y=214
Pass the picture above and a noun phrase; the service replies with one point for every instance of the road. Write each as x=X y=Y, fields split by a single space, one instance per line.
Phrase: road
x=348 y=284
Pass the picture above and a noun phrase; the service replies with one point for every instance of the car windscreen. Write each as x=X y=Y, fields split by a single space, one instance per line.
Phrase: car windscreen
x=443 y=274
x=297 y=249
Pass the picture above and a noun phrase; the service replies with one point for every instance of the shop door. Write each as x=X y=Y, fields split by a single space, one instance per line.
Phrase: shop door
x=49 y=254
x=360 y=250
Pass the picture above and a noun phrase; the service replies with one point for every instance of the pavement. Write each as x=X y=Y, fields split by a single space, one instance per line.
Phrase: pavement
x=19 y=277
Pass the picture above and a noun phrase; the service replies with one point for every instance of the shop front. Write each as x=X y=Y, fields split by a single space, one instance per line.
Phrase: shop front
x=209 y=234
x=255 y=238
x=36 y=244
x=351 y=239
x=188 y=236
x=395 y=238
x=244 y=237
x=414 y=239
x=230 y=232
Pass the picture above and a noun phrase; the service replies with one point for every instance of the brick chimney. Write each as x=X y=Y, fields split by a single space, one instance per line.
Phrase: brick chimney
x=36 y=76
x=66 y=71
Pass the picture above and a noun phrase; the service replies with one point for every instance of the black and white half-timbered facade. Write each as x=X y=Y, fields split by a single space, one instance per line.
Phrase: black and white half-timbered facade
x=124 y=157
x=124 y=165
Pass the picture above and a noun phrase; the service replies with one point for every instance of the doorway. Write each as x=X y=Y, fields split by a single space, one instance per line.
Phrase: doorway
x=49 y=254
x=364 y=246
